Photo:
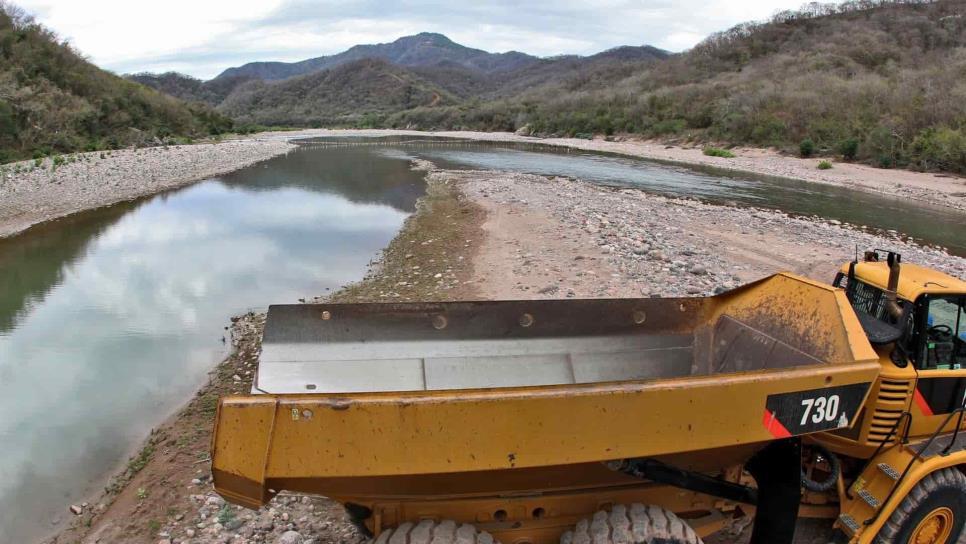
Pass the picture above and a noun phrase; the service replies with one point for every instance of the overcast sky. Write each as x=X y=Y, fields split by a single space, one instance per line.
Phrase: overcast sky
x=203 y=37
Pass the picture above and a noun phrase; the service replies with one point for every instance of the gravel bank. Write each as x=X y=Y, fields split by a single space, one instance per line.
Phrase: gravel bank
x=31 y=193
x=552 y=237
x=937 y=189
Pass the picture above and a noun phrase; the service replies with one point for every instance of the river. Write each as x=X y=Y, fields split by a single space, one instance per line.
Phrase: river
x=110 y=319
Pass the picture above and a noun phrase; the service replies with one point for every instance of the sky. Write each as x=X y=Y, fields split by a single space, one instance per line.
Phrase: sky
x=203 y=37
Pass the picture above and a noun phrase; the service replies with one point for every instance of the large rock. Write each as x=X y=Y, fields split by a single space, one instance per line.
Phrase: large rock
x=289 y=537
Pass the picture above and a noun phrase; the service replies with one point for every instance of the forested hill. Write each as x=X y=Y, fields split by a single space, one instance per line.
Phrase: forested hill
x=54 y=101
x=352 y=91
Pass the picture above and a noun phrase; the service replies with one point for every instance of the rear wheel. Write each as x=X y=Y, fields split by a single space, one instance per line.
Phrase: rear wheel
x=634 y=524
x=932 y=513
x=432 y=532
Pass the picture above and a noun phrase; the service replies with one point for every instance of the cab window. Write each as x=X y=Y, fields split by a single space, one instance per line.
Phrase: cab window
x=866 y=299
x=944 y=333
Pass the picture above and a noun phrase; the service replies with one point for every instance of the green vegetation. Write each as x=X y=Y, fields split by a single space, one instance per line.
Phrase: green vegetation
x=824 y=165
x=53 y=101
x=849 y=148
x=718 y=152
x=806 y=148
x=225 y=514
x=138 y=462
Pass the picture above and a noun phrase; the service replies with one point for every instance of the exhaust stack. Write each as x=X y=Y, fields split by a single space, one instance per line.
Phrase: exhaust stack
x=891 y=298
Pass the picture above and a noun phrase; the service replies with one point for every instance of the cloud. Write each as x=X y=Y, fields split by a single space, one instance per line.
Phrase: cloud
x=204 y=38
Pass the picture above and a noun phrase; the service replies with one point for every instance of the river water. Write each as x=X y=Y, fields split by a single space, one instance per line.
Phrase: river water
x=110 y=319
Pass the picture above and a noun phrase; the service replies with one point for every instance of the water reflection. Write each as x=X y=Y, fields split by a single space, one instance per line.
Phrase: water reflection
x=112 y=319
x=30 y=268
x=355 y=173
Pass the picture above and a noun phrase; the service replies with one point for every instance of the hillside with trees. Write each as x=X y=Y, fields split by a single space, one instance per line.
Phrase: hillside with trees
x=348 y=94
x=882 y=82
x=53 y=101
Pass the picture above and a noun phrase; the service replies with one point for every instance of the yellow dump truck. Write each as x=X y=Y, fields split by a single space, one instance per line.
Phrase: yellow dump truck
x=656 y=420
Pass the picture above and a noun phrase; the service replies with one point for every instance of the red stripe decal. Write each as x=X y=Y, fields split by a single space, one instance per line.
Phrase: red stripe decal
x=775 y=427
x=921 y=403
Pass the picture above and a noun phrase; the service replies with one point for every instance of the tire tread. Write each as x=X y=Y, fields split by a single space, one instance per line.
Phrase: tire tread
x=433 y=532
x=634 y=524
x=945 y=478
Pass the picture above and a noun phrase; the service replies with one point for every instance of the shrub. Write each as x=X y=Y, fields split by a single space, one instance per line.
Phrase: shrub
x=806 y=147
x=718 y=152
x=584 y=136
x=825 y=165
x=225 y=514
x=940 y=148
x=668 y=126
x=849 y=148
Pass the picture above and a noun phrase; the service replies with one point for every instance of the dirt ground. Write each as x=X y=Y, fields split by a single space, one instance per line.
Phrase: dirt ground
x=475 y=236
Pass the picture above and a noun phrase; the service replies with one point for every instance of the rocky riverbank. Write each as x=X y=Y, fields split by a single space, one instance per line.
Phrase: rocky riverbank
x=555 y=237
x=35 y=191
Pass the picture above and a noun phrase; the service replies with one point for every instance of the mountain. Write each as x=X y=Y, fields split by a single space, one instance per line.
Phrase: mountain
x=363 y=83
x=424 y=49
x=52 y=100
x=346 y=94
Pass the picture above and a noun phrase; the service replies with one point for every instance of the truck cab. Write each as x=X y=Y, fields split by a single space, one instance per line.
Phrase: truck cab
x=921 y=341
x=915 y=319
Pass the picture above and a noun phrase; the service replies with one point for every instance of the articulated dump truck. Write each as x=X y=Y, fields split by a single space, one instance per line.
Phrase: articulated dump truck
x=655 y=420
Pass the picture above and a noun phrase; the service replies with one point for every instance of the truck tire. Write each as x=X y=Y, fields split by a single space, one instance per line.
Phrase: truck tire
x=634 y=524
x=433 y=532
x=933 y=512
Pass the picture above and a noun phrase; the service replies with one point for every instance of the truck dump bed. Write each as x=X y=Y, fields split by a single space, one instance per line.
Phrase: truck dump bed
x=398 y=399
